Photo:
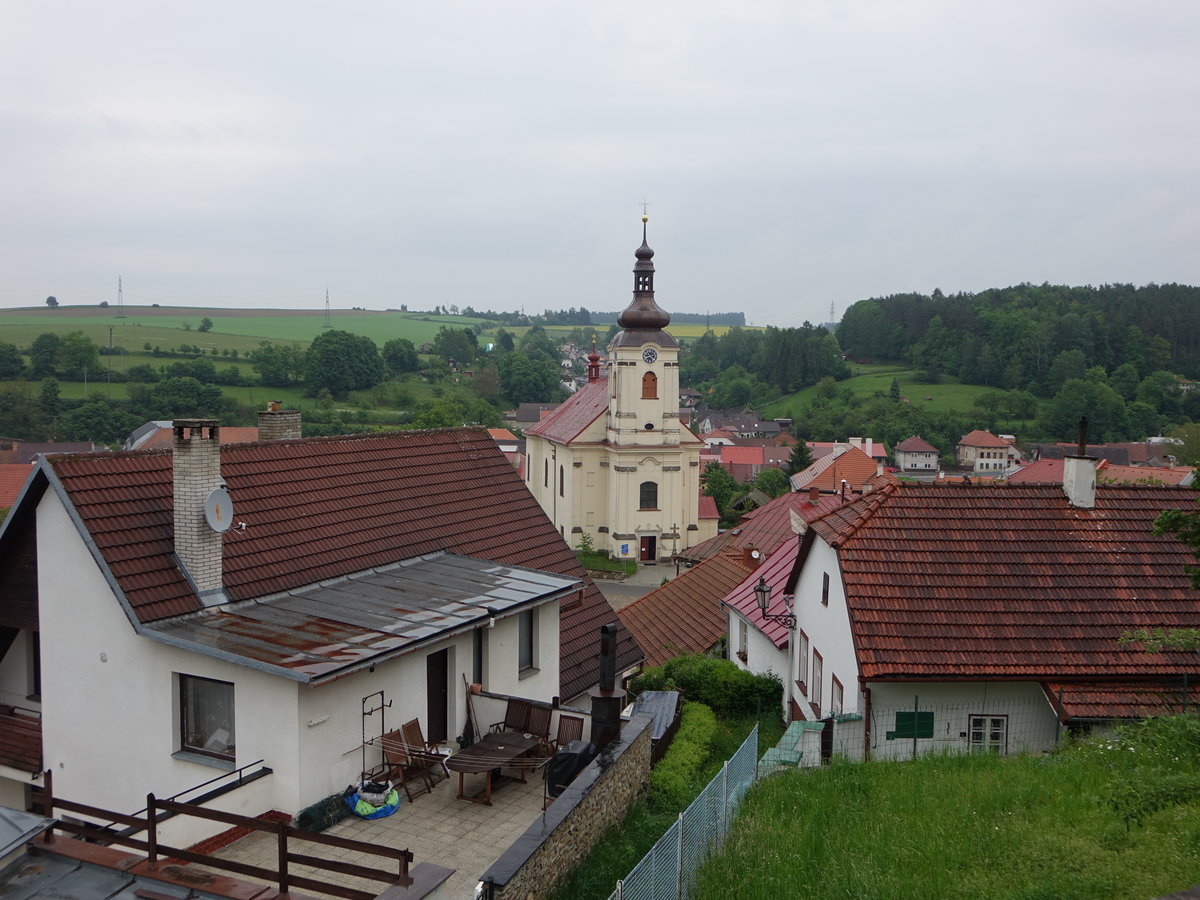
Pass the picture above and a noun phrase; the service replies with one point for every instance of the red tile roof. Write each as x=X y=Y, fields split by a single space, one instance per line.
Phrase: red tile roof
x=708 y=508
x=685 y=615
x=774 y=571
x=1125 y=700
x=570 y=418
x=1050 y=471
x=979 y=438
x=766 y=527
x=321 y=508
x=230 y=434
x=12 y=479
x=1004 y=581
x=733 y=454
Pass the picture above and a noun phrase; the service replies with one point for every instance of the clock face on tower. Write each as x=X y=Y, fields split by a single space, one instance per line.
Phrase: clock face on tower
x=649 y=354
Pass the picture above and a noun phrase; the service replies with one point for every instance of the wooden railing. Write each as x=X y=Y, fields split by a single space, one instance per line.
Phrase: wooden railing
x=281 y=875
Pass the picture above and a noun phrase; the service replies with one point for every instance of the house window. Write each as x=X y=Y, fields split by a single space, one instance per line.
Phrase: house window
x=477 y=637
x=743 y=629
x=648 y=495
x=206 y=717
x=526 y=642
x=836 y=697
x=912 y=724
x=988 y=734
x=562 y=478
x=818 y=676
x=649 y=386
x=545 y=473
x=825 y=589
x=802 y=663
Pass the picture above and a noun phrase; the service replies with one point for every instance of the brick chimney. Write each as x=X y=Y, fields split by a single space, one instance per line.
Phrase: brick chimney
x=275 y=424
x=196 y=462
x=751 y=557
x=1079 y=473
x=814 y=495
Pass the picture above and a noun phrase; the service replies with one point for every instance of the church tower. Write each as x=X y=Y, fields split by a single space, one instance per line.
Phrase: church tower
x=615 y=462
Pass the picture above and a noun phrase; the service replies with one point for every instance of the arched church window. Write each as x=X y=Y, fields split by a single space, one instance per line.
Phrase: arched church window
x=649 y=386
x=648 y=495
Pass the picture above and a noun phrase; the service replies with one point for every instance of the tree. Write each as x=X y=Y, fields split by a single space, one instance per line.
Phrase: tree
x=52 y=302
x=720 y=485
x=99 y=421
x=772 y=482
x=43 y=355
x=800 y=459
x=77 y=357
x=178 y=397
x=206 y=324
x=342 y=362
x=458 y=344
x=524 y=381
x=400 y=356
x=278 y=365
x=49 y=399
x=11 y=364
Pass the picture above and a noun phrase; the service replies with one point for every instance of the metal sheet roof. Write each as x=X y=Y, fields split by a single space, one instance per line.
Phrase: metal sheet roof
x=325 y=630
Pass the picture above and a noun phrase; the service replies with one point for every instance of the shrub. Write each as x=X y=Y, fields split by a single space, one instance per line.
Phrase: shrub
x=718 y=683
x=672 y=780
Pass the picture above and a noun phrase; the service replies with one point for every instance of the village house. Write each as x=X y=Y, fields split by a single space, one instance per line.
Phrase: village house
x=971 y=617
x=986 y=454
x=169 y=616
x=916 y=455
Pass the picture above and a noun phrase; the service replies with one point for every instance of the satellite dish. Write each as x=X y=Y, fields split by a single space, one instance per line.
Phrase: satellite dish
x=218 y=510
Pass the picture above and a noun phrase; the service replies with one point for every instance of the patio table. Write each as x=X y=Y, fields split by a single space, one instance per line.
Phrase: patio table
x=488 y=754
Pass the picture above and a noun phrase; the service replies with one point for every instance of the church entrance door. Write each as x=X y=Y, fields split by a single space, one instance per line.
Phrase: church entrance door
x=649 y=549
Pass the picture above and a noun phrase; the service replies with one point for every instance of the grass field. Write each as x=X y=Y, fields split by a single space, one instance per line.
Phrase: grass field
x=1028 y=827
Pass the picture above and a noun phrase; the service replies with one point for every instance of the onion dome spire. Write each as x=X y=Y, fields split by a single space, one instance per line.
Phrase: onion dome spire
x=593 y=366
x=643 y=313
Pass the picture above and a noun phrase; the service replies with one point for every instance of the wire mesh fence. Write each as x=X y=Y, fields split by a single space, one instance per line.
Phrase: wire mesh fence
x=669 y=869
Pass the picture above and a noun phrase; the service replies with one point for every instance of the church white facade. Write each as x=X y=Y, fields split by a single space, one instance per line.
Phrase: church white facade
x=614 y=462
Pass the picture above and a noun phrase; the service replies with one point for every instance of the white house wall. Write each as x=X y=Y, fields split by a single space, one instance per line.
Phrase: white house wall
x=762 y=656
x=1031 y=722
x=110 y=696
x=828 y=631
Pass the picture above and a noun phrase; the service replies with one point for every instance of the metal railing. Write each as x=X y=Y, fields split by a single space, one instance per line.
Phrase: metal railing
x=281 y=875
x=669 y=869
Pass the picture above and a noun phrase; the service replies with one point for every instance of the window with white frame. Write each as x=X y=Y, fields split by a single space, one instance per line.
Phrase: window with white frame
x=802 y=663
x=814 y=689
x=527 y=641
x=206 y=717
x=988 y=734
x=743 y=638
x=836 y=696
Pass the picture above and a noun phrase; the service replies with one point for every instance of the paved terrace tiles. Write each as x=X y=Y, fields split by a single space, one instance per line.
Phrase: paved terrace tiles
x=1009 y=581
x=436 y=827
x=325 y=508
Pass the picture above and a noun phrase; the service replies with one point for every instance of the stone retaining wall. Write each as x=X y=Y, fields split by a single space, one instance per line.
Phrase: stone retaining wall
x=598 y=798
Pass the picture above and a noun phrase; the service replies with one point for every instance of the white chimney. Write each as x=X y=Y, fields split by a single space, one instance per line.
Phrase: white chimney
x=196 y=464
x=1079 y=474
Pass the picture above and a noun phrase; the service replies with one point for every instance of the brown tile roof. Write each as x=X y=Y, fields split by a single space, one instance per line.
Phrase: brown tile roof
x=575 y=414
x=1010 y=581
x=708 y=508
x=827 y=473
x=321 y=508
x=766 y=527
x=1123 y=700
x=20 y=740
x=1050 y=471
x=979 y=438
x=916 y=444
x=685 y=615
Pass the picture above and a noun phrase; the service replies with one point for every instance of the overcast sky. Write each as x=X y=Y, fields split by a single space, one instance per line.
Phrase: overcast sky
x=494 y=154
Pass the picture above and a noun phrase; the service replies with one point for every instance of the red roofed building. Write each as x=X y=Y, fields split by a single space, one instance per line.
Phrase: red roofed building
x=12 y=479
x=986 y=454
x=614 y=462
x=916 y=455
x=972 y=617
x=849 y=467
x=768 y=526
x=210 y=606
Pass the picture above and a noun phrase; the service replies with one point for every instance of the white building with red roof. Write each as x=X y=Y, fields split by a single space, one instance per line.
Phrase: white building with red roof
x=985 y=453
x=614 y=462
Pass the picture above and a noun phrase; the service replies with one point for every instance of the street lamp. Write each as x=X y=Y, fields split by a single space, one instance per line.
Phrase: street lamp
x=762 y=591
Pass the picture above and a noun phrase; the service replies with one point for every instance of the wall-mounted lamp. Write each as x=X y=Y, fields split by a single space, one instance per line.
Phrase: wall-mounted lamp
x=762 y=592
x=491 y=617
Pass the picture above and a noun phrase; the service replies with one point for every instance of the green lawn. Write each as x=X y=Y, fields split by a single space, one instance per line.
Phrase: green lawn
x=972 y=826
